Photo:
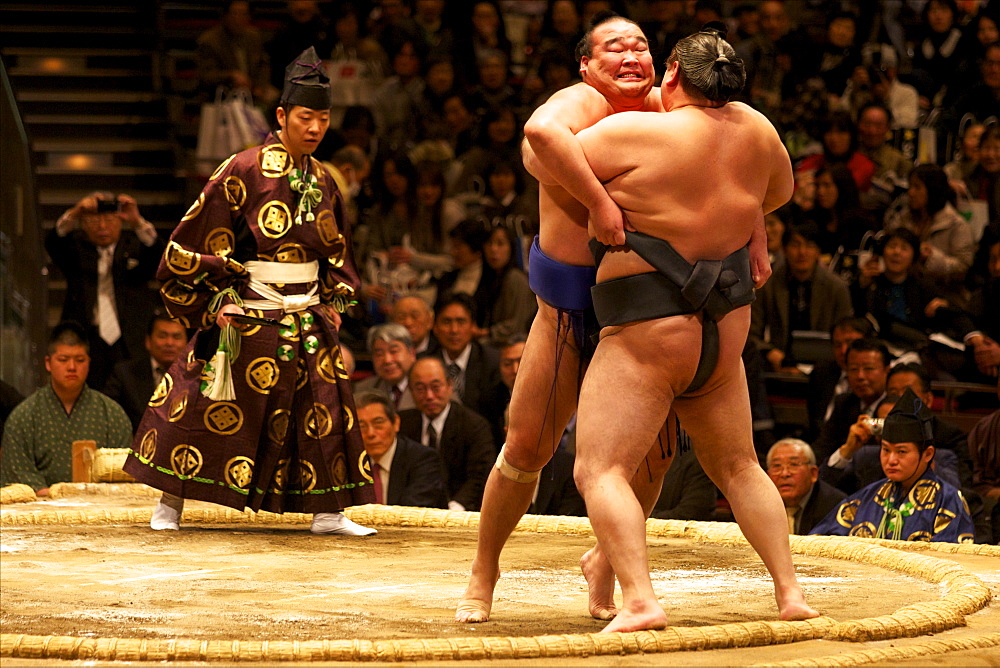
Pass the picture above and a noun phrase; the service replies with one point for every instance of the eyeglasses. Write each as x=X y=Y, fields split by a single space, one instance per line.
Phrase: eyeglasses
x=791 y=466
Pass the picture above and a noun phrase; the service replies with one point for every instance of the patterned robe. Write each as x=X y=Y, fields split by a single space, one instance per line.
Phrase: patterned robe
x=939 y=512
x=289 y=441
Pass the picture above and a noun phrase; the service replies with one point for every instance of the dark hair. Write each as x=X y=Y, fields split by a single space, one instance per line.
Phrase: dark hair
x=862 y=326
x=356 y=116
x=935 y=180
x=876 y=105
x=161 y=317
x=513 y=340
x=401 y=162
x=950 y=4
x=371 y=397
x=709 y=63
x=460 y=298
x=502 y=163
x=585 y=47
x=808 y=230
x=848 y=198
x=472 y=232
x=917 y=369
x=428 y=172
x=870 y=345
x=992 y=130
x=68 y=333
x=839 y=120
x=903 y=234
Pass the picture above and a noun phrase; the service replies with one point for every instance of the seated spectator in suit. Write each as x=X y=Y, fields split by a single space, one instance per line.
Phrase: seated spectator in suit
x=460 y=436
x=413 y=313
x=405 y=472
x=984 y=446
x=38 y=436
x=392 y=354
x=867 y=370
x=132 y=383
x=467 y=240
x=510 y=362
x=829 y=377
x=791 y=466
x=911 y=502
x=108 y=253
x=801 y=295
x=687 y=492
x=556 y=492
x=473 y=367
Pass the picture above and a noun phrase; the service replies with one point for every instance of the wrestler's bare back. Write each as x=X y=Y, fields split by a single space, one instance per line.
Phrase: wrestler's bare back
x=668 y=180
x=563 y=233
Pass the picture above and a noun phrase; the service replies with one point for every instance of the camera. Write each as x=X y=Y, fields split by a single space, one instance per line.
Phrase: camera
x=107 y=205
x=875 y=425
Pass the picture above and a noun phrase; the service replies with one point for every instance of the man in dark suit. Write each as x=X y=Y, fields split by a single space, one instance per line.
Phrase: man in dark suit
x=829 y=377
x=108 y=253
x=392 y=354
x=132 y=382
x=473 y=367
x=556 y=493
x=791 y=465
x=867 y=370
x=405 y=472
x=413 y=313
x=461 y=436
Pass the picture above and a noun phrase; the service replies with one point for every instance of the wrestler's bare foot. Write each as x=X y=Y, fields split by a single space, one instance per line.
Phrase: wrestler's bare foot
x=477 y=602
x=792 y=607
x=600 y=583
x=645 y=616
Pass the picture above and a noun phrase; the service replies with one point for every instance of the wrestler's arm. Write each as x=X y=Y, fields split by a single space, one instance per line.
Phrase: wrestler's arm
x=602 y=144
x=780 y=186
x=550 y=135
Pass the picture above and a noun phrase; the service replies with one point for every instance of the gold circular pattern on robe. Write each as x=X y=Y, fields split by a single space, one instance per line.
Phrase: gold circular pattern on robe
x=274 y=161
x=318 y=421
x=326 y=365
x=262 y=375
x=207 y=319
x=307 y=476
x=884 y=493
x=220 y=242
x=326 y=225
x=192 y=361
x=290 y=254
x=181 y=320
x=162 y=391
x=221 y=168
x=280 y=479
x=253 y=329
x=236 y=192
x=920 y=536
x=195 y=208
x=224 y=418
x=924 y=494
x=289 y=329
x=301 y=374
x=186 y=461
x=277 y=425
x=943 y=518
x=338 y=364
x=176 y=293
x=863 y=530
x=147 y=446
x=338 y=470
x=180 y=260
x=339 y=254
x=178 y=405
x=239 y=472
x=846 y=513
x=348 y=419
x=274 y=219
x=365 y=466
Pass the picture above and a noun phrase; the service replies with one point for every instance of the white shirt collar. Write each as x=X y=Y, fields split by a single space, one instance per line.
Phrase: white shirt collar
x=463 y=357
x=438 y=423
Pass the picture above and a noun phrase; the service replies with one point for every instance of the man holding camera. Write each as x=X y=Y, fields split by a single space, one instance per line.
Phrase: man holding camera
x=108 y=253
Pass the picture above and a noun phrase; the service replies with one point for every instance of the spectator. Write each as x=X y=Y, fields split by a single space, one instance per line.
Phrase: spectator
x=459 y=435
x=791 y=466
x=939 y=53
x=967 y=158
x=508 y=302
x=357 y=128
x=983 y=342
x=397 y=101
x=350 y=168
x=841 y=220
x=461 y=126
x=38 y=436
x=508 y=204
x=984 y=446
x=839 y=55
x=132 y=382
x=405 y=472
x=499 y=139
x=946 y=245
x=413 y=313
x=801 y=295
x=492 y=90
x=439 y=84
x=891 y=166
x=510 y=361
x=774 y=227
x=867 y=369
x=877 y=82
x=232 y=54
x=687 y=493
x=473 y=367
x=984 y=181
x=829 y=378
x=978 y=101
x=466 y=246
x=561 y=30
x=484 y=33
x=107 y=270
x=438 y=37
x=556 y=492
x=358 y=64
x=747 y=20
x=889 y=508
x=305 y=26
x=777 y=58
x=392 y=354
x=840 y=145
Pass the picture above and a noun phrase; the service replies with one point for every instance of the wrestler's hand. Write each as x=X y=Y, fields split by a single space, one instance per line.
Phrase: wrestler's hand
x=222 y=319
x=760 y=264
x=608 y=223
x=332 y=315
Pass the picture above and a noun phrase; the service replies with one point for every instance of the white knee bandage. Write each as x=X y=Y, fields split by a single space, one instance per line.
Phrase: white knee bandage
x=515 y=474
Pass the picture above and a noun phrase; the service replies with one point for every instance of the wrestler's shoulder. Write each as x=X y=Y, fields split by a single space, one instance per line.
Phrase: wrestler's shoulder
x=579 y=98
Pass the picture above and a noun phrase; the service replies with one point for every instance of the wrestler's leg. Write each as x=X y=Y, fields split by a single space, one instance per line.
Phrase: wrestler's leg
x=531 y=439
x=723 y=442
x=623 y=405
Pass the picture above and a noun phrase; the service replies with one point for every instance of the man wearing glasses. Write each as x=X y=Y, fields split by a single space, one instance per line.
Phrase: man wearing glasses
x=791 y=466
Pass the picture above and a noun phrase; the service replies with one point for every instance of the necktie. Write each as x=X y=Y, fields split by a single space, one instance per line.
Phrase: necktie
x=107 y=315
x=396 y=395
x=791 y=513
x=432 y=437
x=455 y=373
x=377 y=477
x=158 y=374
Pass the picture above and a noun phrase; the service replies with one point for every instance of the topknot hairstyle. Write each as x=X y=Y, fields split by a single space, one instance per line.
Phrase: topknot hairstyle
x=709 y=63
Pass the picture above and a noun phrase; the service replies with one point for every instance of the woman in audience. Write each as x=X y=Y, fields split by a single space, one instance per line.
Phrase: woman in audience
x=389 y=225
x=839 y=135
x=508 y=203
x=965 y=163
x=483 y=33
x=946 y=246
x=499 y=137
x=940 y=52
x=505 y=301
x=984 y=181
x=838 y=214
